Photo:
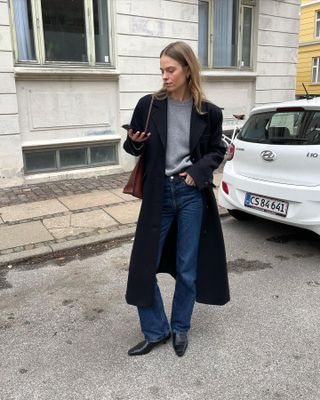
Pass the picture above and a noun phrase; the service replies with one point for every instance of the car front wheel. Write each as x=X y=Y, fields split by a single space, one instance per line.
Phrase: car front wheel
x=240 y=215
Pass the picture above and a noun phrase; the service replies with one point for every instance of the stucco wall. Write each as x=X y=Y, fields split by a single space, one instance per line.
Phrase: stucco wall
x=10 y=147
x=67 y=110
x=278 y=31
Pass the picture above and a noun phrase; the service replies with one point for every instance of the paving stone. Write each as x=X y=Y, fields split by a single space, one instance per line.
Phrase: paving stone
x=31 y=210
x=125 y=213
x=57 y=222
x=23 y=234
x=60 y=227
x=126 y=197
x=67 y=233
x=79 y=223
x=93 y=199
x=92 y=219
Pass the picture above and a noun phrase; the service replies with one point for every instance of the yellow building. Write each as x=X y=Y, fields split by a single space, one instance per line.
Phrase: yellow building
x=308 y=69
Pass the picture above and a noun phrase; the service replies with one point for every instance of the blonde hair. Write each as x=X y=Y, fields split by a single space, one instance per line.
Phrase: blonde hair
x=184 y=55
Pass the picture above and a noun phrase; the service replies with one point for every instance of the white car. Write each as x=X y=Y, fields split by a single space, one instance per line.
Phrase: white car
x=273 y=167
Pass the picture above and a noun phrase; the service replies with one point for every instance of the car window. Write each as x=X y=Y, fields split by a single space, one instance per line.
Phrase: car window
x=255 y=129
x=312 y=133
x=287 y=128
x=285 y=124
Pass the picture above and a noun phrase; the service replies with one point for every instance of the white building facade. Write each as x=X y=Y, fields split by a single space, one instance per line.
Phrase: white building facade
x=72 y=72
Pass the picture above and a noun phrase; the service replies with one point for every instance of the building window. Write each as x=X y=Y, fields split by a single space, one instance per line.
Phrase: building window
x=317 y=23
x=203 y=33
x=247 y=19
x=225 y=33
x=60 y=31
x=315 y=70
x=69 y=158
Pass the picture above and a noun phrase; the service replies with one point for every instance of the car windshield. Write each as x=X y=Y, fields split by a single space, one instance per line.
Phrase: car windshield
x=289 y=128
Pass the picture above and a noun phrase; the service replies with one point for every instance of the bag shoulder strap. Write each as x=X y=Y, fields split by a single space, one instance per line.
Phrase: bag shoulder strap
x=149 y=114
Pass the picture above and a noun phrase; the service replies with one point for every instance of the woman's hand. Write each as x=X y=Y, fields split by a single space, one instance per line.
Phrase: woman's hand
x=189 y=180
x=138 y=136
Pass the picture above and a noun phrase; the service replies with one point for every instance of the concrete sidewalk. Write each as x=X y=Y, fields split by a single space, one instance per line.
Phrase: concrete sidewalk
x=58 y=220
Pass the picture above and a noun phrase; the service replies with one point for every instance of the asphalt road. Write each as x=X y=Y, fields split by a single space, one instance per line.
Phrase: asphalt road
x=65 y=328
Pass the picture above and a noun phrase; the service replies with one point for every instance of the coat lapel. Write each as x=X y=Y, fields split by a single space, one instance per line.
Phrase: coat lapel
x=159 y=117
x=197 y=126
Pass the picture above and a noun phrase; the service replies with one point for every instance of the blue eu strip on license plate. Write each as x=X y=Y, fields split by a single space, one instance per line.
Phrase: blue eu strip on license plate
x=247 y=199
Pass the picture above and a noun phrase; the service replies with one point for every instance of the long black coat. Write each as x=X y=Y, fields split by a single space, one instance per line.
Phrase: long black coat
x=207 y=152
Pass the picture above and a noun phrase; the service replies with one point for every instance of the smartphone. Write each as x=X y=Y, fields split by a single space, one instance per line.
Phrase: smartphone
x=126 y=127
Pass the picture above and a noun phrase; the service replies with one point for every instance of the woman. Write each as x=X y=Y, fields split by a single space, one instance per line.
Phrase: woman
x=178 y=229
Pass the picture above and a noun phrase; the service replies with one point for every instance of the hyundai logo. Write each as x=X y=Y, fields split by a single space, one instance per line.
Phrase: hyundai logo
x=268 y=155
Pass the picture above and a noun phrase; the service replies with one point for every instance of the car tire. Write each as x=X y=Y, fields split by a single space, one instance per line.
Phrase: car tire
x=240 y=215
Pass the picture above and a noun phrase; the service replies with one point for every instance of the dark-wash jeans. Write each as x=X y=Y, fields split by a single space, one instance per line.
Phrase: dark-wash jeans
x=184 y=203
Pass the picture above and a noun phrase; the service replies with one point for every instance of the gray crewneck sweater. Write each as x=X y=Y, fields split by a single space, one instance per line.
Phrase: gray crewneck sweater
x=178 y=138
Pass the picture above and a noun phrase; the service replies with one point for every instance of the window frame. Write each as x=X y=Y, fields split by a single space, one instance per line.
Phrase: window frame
x=39 y=41
x=210 y=32
x=210 y=64
x=315 y=60
x=317 y=22
x=56 y=150
x=241 y=25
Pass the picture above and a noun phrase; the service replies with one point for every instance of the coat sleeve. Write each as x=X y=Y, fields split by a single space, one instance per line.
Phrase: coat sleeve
x=137 y=125
x=201 y=171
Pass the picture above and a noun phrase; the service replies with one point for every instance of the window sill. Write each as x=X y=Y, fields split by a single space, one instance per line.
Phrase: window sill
x=216 y=75
x=309 y=42
x=44 y=73
x=67 y=142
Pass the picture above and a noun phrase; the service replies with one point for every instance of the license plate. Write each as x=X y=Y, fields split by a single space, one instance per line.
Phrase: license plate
x=266 y=204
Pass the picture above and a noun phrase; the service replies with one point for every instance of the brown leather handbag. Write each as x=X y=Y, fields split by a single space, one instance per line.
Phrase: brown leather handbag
x=134 y=185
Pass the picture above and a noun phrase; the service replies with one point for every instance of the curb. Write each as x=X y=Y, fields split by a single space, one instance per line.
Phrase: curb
x=53 y=249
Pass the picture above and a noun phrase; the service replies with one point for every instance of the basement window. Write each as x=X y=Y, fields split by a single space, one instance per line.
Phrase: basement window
x=69 y=158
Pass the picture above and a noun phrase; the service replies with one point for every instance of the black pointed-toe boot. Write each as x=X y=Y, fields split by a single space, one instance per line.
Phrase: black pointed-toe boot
x=145 y=346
